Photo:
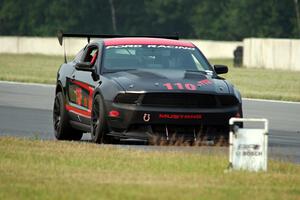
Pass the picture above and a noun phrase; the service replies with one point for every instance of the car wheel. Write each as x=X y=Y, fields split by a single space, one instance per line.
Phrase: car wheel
x=240 y=124
x=98 y=122
x=62 y=128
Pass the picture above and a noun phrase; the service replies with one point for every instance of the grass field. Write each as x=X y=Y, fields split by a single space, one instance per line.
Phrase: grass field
x=263 y=83
x=29 y=68
x=33 y=169
x=253 y=83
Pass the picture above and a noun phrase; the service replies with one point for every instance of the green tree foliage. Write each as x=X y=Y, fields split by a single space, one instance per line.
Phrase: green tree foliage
x=170 y=16
x=256 y=18
x=205 y=19
x=211 y=15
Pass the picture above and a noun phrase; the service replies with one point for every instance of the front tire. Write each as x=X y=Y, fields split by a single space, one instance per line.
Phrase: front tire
x=98 y=121
x=62 y=127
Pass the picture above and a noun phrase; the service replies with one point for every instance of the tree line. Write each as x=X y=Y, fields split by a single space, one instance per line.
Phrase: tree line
x=203 y=19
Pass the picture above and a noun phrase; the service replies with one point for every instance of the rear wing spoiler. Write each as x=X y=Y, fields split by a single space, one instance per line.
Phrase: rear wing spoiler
x=61 y=36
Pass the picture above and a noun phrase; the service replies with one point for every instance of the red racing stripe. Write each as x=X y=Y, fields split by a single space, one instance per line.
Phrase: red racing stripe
x=83 y=85
x=146 y=41
x=83 y=113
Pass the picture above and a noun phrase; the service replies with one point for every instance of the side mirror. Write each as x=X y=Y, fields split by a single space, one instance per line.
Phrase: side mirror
x=84 y=66
x=221 y=69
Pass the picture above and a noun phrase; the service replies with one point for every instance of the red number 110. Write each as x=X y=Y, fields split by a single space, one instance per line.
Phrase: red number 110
x=180 y=86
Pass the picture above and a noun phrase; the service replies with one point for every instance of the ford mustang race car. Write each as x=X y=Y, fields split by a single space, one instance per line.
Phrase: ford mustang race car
x=139 y=87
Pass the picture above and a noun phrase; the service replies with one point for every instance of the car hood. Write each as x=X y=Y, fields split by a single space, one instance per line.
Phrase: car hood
x=168 y=81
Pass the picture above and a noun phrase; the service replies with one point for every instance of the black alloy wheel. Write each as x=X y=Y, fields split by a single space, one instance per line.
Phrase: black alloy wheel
x=62 y=127
x=98 y=122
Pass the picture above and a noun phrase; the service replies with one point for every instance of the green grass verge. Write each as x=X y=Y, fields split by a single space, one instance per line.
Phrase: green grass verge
x=32 y=169
x=263 y=83
x=29 y=68
x=253 y=83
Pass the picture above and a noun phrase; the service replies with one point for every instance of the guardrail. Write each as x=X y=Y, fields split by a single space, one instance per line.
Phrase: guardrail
x=272 y=53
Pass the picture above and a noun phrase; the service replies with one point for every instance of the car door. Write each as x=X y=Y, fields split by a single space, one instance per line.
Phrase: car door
x=81 y=86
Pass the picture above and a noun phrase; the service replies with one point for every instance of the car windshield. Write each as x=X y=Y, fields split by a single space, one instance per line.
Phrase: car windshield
x=131 y=57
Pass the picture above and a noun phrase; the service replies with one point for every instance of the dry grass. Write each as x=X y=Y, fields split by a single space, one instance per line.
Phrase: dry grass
x=32 y=169
x=174 y=140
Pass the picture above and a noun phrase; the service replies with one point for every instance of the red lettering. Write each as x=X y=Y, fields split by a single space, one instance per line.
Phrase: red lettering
x=182 y=116
x=204 y=82
x=187 y=86
x=168 y=86
x=162 y=116
x=179 y=86
x=190 y=86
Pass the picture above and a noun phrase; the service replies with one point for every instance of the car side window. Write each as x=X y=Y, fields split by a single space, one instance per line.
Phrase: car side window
x=91 y=55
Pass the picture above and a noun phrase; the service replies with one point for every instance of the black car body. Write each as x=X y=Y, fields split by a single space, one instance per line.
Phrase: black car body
x=140 y=87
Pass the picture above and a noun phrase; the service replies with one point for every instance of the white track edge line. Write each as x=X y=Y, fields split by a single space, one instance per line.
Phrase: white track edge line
x=22 y=83
x=271 y=101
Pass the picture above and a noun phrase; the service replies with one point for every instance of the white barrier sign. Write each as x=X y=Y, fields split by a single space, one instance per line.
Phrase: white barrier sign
x=248 y=147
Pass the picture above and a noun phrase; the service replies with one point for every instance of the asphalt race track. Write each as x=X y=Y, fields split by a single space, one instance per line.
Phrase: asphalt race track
x=26 y=111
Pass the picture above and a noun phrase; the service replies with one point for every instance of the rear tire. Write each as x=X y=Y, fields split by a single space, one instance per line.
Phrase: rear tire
x=62 y=127
x=98 y=122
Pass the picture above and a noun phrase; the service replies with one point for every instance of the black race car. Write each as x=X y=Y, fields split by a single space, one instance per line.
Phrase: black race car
x=140 y=87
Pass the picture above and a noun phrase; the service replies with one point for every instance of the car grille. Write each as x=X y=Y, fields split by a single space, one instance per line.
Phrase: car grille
x=188 y=100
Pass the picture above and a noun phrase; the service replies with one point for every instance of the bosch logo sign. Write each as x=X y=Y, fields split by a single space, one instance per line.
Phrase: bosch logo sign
x=248 y=147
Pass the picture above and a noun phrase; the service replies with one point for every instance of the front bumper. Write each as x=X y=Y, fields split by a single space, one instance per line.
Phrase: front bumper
x=132 y=114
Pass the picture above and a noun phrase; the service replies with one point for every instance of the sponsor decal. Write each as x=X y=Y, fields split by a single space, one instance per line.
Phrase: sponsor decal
x=170 y=47
x=249 y=150
x=82 y=98
x=149 y=46
x=248 y=147
x=83 y=93
x=249 y=153
x=124 y=46
x=180 y=116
